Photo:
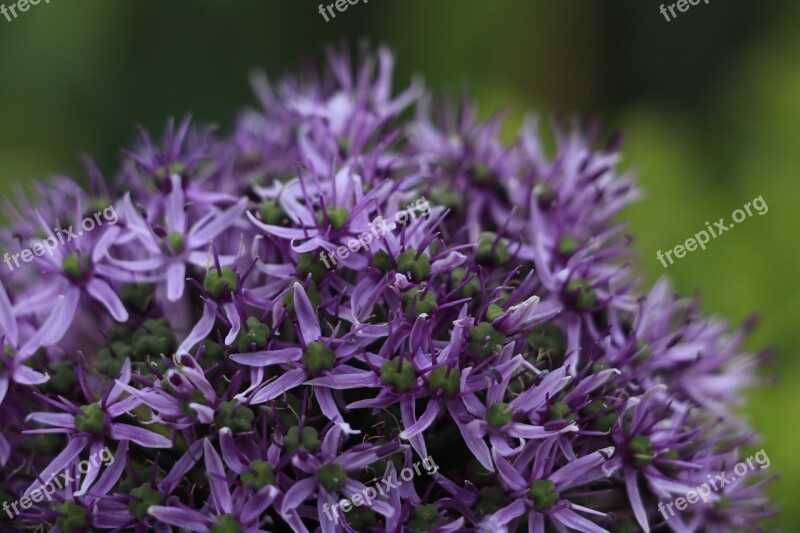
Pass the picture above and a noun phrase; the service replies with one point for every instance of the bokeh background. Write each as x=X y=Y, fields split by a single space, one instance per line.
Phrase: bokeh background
x=709 y=104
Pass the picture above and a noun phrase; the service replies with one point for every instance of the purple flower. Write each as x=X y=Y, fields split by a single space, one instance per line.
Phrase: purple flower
x=254 y=381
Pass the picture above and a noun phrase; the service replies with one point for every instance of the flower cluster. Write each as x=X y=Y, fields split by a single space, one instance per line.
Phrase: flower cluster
x=244 y=386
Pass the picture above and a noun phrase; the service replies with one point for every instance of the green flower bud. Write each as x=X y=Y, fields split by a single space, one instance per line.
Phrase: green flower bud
x=498 y=415
x=226 y=524
x=237 y=417
x=309 y=440
x=419 y=267
x=90 y=419
x=361 y=519
x=154 y=338
x=217 y=283
x=490 y=499
x=381 y=261
x=449 y=382
x=214 y=354
x=332 y=477
x=110 y=360
x=311 y=264
x=559 y=410
x=482 y=173
x=494 y=312
x=259 y=475
x=256 y=334
x=137 y=296
x=544 y=495
x=548 y=341
x=401 y=378
x=72 y=517
x=142 y=497
x=273 y=214
x=584 y=298
x=172 y=244
x=416 y=304
x=490 y=248
x=644 y=352
x=484 y=340
x=471 y=289
x=424 y=518
x=603 y=422
x=174 y=168
x=448 y=198
x=567 y=246
x=642 y=450
x=317 y=358
x=338 y=217
x=545 y=195
x=75 y=265
x=62 y=378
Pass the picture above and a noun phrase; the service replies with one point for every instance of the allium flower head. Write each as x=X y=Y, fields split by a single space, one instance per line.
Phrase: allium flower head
x=261 y=336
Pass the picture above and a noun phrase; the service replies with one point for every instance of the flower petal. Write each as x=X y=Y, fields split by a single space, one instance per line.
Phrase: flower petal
x=140 y=436
x=217 y=479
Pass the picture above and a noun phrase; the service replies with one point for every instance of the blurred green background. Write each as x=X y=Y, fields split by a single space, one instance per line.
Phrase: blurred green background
x=709 y=104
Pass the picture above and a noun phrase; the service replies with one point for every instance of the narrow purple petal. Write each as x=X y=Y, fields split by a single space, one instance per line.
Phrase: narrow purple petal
x=210 y=227
x=328 y=406
x=5 y=450
x=56 y=324
x=53 y=419
x=567 y=475
x=575 y=521
x=427 y=418
x=508 y=473
x=94 y=468
x=217 y=479
x=112 y=474
x=255 y=506
x=105 y=295
x=231 y=311
x=510 y=512
x=201 y=329
x=174 y=210
x=8 y=323
x=25 y=375
x=299 y=492
x=184 y=464
x=181 y=517
x=176 y=281
x=62 y=461
x=286 y=382
x=230 y=452
x=268 y=357
x=632 y=485
x=306 y=316
x=140 y=436
x=106 y=241
x=477 y=446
